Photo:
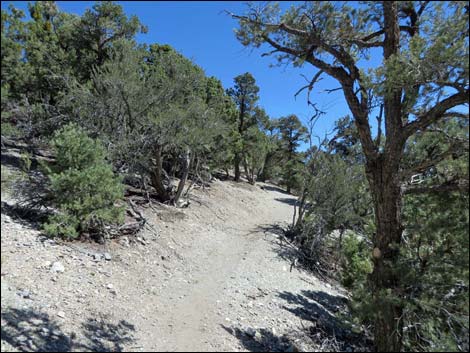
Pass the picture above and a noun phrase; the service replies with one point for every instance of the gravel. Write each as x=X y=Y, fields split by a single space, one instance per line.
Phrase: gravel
x=211 y=279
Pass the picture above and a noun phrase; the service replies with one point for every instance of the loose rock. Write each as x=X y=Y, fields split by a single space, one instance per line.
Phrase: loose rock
x=57 y=267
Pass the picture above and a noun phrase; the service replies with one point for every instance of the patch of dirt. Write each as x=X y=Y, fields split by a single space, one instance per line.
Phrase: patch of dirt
x=208 y=278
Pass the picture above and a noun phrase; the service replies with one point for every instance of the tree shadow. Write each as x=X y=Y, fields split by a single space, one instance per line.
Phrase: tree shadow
x=328 y=318
x=270 y=228
x=101 y=336
x=27 y=216
x=274 y=188
x=28 y=330
x=287 y=200
x=263 y=341
x=280 y=247
x=222 y=175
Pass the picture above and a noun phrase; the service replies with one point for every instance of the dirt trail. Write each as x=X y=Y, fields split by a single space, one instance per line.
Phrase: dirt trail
x=194 y=322
x=212 y=277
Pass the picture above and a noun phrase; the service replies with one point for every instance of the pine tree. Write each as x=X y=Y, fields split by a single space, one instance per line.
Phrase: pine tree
x=83 y=187
x=421 y=79
x=292 y=134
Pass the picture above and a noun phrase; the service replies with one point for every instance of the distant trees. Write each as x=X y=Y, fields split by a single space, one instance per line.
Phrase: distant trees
x=154 y=115
x=292 y=134
x=244 y=93
x=261 y=141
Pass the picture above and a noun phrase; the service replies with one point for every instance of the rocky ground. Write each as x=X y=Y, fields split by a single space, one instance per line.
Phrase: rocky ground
x=210 y=277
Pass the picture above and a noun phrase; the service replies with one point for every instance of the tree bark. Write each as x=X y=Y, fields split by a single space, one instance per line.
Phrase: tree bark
x=250 y=174
x=237 y=167
x=184 y=176
x=156 y=176
x=384 y=180
x=385 y=279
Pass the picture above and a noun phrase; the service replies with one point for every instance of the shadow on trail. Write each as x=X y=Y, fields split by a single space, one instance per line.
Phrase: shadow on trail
x=28 y=330
x=28 y=217
x=279 y=246
x=274 y=188
x=263 y=341
x=320 y=329
x=327 y=315
x=287 y=200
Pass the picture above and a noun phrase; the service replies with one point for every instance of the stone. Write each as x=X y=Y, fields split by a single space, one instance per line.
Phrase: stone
x=31 y=345
x=61 y=314
x=36 y=322
x=107 y=256
x=57 y=267
x=290 y=348
x=21 y=338
x=109 y=286
x=250 y=331
x=23 y=326
x=96 y=257
x=25 y=294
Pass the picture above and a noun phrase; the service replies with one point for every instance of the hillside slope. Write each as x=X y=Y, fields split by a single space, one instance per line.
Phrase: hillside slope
x=204 y=278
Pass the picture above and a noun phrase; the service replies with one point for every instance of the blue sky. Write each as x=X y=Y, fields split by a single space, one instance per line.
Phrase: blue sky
x=204 y=33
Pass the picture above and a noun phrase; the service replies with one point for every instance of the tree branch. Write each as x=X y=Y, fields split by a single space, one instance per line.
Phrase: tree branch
x=439 y=111
x=452 y=186
x=453 y=150
x=310 y=85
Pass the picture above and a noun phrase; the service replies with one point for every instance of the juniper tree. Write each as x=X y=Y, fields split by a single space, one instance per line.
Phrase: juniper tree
x=150 y=106
x=421 y=79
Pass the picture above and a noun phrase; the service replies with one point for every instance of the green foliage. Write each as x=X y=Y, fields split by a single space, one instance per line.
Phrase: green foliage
x=248 y=145
x=11 y=45
x=292 y=134
x=356 y=260
x=10 y=130
x=97 y=32
x=422 y=79
x=82 y=185
x=337 y=191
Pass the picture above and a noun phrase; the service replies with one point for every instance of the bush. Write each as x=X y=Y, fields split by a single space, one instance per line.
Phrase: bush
x=356 y=260
x=83 y=186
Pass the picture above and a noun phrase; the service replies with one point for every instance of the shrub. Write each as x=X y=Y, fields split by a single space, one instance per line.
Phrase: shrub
x=83 y=186
x=356 y=260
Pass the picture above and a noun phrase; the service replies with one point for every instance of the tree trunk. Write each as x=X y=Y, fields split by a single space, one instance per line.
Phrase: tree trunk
x=156 y=177
x=237 y=167
x=385 y=278
x=248 y=173
x=184 y=176
x=263 y=175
